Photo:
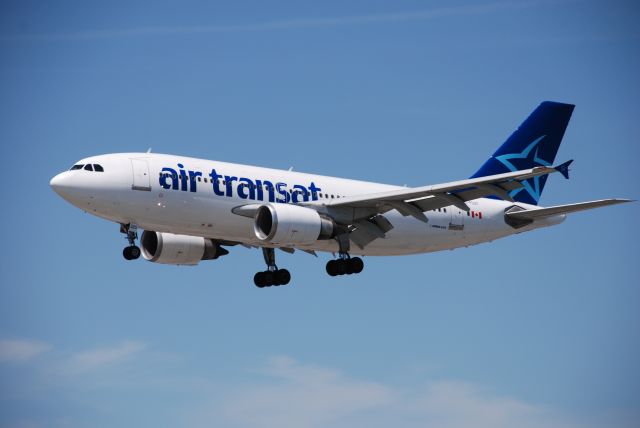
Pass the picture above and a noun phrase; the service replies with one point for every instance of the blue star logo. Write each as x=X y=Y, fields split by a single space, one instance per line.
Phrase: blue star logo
x=527 y=157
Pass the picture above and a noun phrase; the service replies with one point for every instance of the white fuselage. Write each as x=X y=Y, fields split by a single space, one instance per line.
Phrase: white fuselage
x=141 y=189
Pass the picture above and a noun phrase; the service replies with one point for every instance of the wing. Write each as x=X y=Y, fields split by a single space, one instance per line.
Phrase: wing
x=363 y=213
x=415 y=201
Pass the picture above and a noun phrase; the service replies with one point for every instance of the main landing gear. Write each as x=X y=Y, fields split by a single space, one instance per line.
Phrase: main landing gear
x=273 y=275
x=131 y=252
x=345 y=264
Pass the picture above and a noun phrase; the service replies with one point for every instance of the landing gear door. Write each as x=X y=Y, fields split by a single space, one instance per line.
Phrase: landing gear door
x=141 y=179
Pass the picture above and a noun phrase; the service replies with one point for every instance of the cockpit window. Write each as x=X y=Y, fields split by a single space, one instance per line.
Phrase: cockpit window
x=88 y=167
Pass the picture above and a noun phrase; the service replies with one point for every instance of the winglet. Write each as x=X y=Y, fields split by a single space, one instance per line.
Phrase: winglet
x=564 y=168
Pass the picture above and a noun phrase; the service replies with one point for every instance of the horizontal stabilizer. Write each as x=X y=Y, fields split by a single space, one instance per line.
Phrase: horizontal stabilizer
x=563 y=209
x=564 y=168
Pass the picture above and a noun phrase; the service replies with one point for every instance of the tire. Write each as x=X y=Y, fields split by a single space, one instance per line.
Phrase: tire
x=341 y=266
x=283 y=277
x=269 y=278
x=332 y=268
x=259 y=280
x=357 y=265
x=126 y=253
x=134 y=252
x=348 y=267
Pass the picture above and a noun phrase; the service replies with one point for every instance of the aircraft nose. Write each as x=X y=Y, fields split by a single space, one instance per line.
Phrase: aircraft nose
x=61 y=183
x=56 y=182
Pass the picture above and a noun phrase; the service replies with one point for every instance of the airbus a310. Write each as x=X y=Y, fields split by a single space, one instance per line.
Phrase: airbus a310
x=194 y=209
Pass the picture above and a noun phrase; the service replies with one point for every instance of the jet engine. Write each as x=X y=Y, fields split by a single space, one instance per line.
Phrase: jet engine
x=169 y=248
x=286 y=224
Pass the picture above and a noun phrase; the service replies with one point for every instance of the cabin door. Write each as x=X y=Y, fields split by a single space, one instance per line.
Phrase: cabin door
x=141 y=179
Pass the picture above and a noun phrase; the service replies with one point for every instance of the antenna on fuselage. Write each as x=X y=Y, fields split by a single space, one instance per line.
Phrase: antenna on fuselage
x=149 y=150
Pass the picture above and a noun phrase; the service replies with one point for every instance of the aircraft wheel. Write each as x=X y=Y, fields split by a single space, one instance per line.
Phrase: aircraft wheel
x=282 y=277
x=332 y=267
x=131 y=253
x=348 y=266
x=134 y=252
x=269 y=278
x=259 y=280
x=356 y=264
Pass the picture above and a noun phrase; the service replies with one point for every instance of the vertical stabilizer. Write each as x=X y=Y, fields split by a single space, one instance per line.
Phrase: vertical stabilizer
x=534 y=143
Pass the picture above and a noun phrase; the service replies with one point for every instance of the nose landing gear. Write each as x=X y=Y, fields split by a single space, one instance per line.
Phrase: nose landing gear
x=273 y=275
x=131 y=252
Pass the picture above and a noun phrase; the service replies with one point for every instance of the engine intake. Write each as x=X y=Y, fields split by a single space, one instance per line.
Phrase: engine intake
x=169 y=248
x=287 y=224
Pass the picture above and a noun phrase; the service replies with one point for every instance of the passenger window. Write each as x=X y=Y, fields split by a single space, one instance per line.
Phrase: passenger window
x=199 y=178
x=77 y=167
x=98 y=168
x=88 y=167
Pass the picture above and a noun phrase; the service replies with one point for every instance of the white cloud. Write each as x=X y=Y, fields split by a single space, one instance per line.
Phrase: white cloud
x=453 y=404
x=107 y=356
x=297 y=395
x=21 y=350
x=292 y=394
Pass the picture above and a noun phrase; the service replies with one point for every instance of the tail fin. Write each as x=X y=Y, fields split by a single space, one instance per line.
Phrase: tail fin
x=534 y=143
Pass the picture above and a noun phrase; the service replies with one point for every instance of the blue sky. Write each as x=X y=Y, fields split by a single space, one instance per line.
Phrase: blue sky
x=539 y=329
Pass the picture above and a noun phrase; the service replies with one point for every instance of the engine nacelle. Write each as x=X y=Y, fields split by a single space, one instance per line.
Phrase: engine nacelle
x=172 y=249
x=287 y=224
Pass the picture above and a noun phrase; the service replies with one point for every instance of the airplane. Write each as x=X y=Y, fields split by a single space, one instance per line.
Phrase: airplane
x=194 y=209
